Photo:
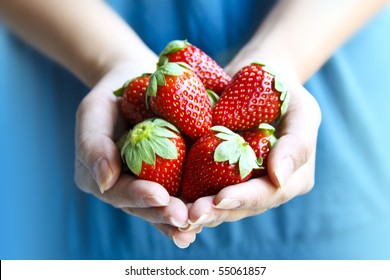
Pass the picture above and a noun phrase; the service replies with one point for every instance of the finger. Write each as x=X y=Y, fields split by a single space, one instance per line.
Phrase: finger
x=297 y=137
x=181 y=239
x=203 y=213
x=260 y=194
x=126 y=192
x=175 y=213
x=247 y=199
x=96 y=118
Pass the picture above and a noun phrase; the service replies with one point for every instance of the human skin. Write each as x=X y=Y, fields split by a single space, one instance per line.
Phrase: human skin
x=297 y=37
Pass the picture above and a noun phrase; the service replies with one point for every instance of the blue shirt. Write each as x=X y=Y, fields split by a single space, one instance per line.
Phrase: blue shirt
x=43 y=214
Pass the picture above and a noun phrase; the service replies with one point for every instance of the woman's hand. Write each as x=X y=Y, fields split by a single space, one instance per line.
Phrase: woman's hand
x=98 y=162
x=291 y=165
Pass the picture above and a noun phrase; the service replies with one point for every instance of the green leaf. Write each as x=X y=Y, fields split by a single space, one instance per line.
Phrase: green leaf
x=235 y=153
x=227 y=137
x=258 y=63
x=163 y=132
x=125 y=146
x=164 y=123
x=225 y=151
x=283 y=95
x=213 y=97
x=120 y=91
x=151 y=90
x=127 y=154
x=185 y=66
x=283 y=108
x=174 y=46
x=260 y=161
x=134 y=161
x=220 y=128
x=160 y=78
x=172 y=69
x=272 y=141
x=247 y=162
x=146 y=152
x=162 y=61
x=279 y=85
x=266 y=126
x=164 y=148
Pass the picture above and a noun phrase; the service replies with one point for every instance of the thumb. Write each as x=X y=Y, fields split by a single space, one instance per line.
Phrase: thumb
x=288 y=155
x=95 y=148
x=298 y=137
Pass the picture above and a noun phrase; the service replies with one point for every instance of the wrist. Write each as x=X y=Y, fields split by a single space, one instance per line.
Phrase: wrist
x=135 y=66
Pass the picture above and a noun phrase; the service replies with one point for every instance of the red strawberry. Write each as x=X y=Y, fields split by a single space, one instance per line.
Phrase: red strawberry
x=255 y=95
x=133 y=103
x=210 y=73
x=177 y=95
x=261 y=139
x=218 y=159
x=155 y=151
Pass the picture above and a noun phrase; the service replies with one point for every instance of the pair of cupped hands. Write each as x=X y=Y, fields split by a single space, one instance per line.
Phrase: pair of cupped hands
x=99 y=124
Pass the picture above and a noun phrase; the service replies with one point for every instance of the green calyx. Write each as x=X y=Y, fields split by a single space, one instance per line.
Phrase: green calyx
x=267 y=127
x=172 y=47
x=158 y=77
x=146 y=140
x=235 y=150
x=279 y=85
x=213 y=97
x=270 y=130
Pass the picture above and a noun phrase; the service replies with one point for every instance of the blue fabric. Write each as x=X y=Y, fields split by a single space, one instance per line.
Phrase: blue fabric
x=43 y=215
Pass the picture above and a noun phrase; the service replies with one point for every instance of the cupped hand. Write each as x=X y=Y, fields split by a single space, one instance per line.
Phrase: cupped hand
x=98 y=165
x=291 y=165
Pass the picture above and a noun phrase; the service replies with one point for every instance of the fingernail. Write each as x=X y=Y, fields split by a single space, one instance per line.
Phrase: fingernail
x=228 y=203
x=102 y=174
x=155 y=200
x=284 y=171
x=175 y=222
x=180 y=245
x=204 y=219
x=189 y=227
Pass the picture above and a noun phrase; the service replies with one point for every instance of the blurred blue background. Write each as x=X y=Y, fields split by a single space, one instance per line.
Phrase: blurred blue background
x=43 y=215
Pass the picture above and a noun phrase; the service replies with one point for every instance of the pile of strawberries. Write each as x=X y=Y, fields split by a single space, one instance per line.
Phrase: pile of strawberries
x=195 y=130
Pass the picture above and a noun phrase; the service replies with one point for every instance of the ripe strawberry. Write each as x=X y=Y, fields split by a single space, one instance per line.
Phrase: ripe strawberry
x=255 y=95
x=176 y=94
x=208 y=70
x=218 y=159
x=262 y=140
x=155 y=151
x=133 y=103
